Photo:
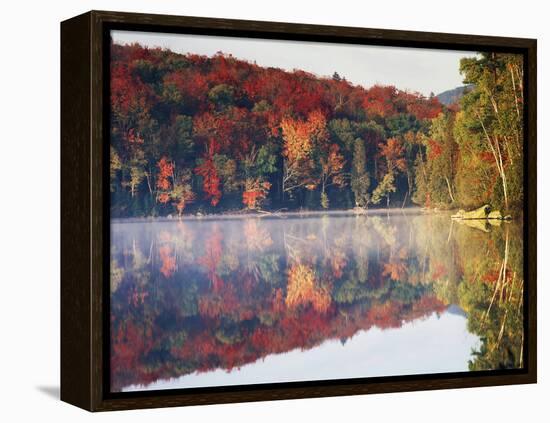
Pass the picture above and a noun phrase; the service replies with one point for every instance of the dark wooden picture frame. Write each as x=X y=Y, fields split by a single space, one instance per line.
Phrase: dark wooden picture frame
x=85 y=212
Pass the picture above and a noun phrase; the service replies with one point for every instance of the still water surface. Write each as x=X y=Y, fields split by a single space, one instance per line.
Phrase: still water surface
x=210 y=302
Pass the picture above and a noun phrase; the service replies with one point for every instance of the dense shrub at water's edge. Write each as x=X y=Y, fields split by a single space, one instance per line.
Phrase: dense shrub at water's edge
x=203 y=134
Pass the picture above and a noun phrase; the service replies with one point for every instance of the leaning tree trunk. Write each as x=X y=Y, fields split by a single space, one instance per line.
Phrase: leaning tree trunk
x=497 y=155
x=450 y=190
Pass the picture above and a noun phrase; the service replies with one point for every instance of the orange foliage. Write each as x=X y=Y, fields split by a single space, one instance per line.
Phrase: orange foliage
x=166 y=169
x=211 y=180
x=434 y=149
x=393 y=151
x=487 y=156
x=317 y=126
x=333 y=165
x=254 y=192
x=299 y=140
x=164 y=197
x=298 y=143
x=300 y=135
x=379 y=100
x=423 y=108
x=187 y=197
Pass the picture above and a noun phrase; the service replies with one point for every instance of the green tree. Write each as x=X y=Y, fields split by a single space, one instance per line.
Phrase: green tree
x=439 y=170
x=115 y=167
x=222 y=96
x=490 y=124
x=392 y=151
x=384 y=188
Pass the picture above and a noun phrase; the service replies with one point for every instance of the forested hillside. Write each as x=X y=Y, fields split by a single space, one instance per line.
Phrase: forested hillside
x=452 y=97
x=203 y=134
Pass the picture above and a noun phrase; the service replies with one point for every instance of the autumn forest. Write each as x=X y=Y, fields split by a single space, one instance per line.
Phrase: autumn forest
x=273 y=225
x=195 y=134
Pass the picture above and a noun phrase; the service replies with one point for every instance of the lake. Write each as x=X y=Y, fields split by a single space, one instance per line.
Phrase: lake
x=249 y=300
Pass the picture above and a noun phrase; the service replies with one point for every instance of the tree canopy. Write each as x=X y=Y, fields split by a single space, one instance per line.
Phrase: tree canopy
x=192 y=133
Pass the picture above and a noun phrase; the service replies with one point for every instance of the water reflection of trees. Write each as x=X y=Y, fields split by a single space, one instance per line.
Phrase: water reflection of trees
x=195 y=296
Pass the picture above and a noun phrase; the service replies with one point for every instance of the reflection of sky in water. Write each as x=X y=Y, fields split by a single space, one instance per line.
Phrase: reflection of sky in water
x=435 y=344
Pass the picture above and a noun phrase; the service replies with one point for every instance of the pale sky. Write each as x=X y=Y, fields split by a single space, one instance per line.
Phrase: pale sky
x=412 y=69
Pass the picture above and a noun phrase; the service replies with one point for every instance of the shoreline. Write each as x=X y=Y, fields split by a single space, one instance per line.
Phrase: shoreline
x=276 y=215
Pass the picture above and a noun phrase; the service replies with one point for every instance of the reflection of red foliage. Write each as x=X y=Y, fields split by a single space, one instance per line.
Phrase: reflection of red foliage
x=138 y=297
x=129 y=343
x=385 y=315
x=426 y=305
x=338 y=263
x=256 y=235
x=291 y=328
x=309 y=328
x=396 y=270
x=278 y=303
x=439 y=271
x=168 y=260
x=222 y=302
x=212 y=256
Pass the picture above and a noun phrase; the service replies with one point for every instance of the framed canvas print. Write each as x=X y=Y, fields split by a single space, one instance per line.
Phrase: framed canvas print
x=257 y=210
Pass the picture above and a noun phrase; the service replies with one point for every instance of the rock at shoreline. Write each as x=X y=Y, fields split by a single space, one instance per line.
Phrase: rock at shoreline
x=483 y=213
